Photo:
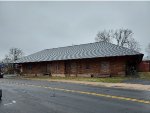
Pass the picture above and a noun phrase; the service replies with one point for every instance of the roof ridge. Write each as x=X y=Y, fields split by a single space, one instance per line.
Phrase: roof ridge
x=74 y=45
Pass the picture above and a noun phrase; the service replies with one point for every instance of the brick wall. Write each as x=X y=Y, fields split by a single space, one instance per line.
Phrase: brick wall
x=144 y=66
x=114 y=66
x=43 y=68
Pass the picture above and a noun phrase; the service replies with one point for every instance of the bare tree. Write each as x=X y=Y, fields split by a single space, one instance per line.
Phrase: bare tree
x=15 y=53
x=104 y=36
x=7 y=59
x=122 y=36
x=133 y=44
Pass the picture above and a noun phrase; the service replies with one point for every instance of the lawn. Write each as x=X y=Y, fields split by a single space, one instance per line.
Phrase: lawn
x=145 y=76
x=88 y=79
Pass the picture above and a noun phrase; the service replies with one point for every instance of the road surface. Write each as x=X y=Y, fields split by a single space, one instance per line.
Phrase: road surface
x=28 y=96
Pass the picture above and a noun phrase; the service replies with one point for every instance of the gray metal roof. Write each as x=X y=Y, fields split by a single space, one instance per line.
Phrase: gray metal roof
x=90 y=50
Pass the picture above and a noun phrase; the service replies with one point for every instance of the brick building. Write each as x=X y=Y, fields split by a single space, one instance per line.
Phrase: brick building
x=93 y=59
x=144 y=66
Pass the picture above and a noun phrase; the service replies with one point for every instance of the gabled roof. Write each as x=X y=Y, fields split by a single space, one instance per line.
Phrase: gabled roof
x=90 y=50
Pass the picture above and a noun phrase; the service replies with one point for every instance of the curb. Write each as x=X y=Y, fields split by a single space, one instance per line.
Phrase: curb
x=109 y=85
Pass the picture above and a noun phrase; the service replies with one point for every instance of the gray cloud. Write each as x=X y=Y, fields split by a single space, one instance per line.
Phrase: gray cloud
x=33 y=26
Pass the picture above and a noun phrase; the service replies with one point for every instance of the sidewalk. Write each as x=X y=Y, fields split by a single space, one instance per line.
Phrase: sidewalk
x=113 y=85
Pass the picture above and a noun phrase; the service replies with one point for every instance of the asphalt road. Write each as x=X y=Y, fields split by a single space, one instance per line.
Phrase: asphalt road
x=137 y=81
x=28 y=96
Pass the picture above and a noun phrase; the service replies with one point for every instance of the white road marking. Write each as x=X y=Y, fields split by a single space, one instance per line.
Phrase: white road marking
x=13 y=102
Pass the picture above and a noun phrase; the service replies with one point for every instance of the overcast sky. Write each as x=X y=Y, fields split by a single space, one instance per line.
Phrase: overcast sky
x=34 y=26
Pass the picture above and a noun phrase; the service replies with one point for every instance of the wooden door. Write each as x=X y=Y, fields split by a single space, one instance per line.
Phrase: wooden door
x=105 y=67
x=67 y=68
